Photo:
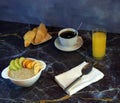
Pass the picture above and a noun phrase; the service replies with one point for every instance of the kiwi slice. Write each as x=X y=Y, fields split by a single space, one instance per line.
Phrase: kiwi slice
x=21 y=59
x=17 y=63
x=12 y=65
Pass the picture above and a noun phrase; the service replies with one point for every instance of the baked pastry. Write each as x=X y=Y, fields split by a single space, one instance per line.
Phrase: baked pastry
x=41 y=32
x=37 y=35
x=28 y=37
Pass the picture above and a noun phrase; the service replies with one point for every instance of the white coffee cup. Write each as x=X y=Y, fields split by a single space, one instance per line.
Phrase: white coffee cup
x=68 y=37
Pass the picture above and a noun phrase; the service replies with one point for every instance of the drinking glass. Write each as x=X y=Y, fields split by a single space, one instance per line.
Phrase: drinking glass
x=99 y=37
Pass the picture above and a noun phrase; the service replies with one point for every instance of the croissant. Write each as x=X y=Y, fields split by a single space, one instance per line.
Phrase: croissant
x=28 y=37
x=36 y=36
x=41 y=32
x=43 y=28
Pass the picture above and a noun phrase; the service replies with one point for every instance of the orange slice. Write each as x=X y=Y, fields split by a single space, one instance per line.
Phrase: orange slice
x=26 y=62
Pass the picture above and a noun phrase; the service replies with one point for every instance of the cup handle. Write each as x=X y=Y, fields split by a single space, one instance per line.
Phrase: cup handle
x=4 y=73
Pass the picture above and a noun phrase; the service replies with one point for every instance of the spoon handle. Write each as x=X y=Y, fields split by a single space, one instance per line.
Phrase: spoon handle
x=74 y=82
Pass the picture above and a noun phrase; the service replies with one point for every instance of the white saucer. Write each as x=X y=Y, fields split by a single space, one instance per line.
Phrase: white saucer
x=73 y=48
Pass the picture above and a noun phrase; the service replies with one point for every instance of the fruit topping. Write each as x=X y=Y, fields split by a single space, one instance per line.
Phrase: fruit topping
x=25 y=63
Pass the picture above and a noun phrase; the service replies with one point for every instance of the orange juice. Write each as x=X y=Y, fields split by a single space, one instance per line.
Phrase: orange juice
x=98 y=44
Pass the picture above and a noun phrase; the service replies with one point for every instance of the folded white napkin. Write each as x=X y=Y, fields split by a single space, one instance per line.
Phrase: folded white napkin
x=68 y=77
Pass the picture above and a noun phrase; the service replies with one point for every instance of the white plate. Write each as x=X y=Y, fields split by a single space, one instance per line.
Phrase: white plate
x=73 y=48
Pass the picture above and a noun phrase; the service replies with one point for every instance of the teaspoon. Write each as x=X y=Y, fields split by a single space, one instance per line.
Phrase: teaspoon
x=85 y=70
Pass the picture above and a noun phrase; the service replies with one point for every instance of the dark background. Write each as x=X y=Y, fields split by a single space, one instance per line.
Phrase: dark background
x=64 y=13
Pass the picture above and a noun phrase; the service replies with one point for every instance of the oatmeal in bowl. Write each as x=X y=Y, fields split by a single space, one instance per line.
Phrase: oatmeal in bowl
x=24 y=71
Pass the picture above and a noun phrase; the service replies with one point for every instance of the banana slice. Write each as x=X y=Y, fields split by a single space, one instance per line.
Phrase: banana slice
x=37 y=67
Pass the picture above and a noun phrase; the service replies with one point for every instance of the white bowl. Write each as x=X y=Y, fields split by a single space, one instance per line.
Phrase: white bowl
x=25 y=82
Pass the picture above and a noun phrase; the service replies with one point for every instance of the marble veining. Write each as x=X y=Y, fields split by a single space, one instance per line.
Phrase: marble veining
x=46 y=90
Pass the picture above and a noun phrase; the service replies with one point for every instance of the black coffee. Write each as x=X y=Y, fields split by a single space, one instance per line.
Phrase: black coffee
x=68 y=34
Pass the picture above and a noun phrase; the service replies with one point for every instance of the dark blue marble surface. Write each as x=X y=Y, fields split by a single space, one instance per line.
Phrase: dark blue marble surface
x=64 y=13
x=46 y=90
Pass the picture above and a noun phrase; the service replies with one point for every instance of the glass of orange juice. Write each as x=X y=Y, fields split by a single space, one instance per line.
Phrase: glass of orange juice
x=99 y=37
